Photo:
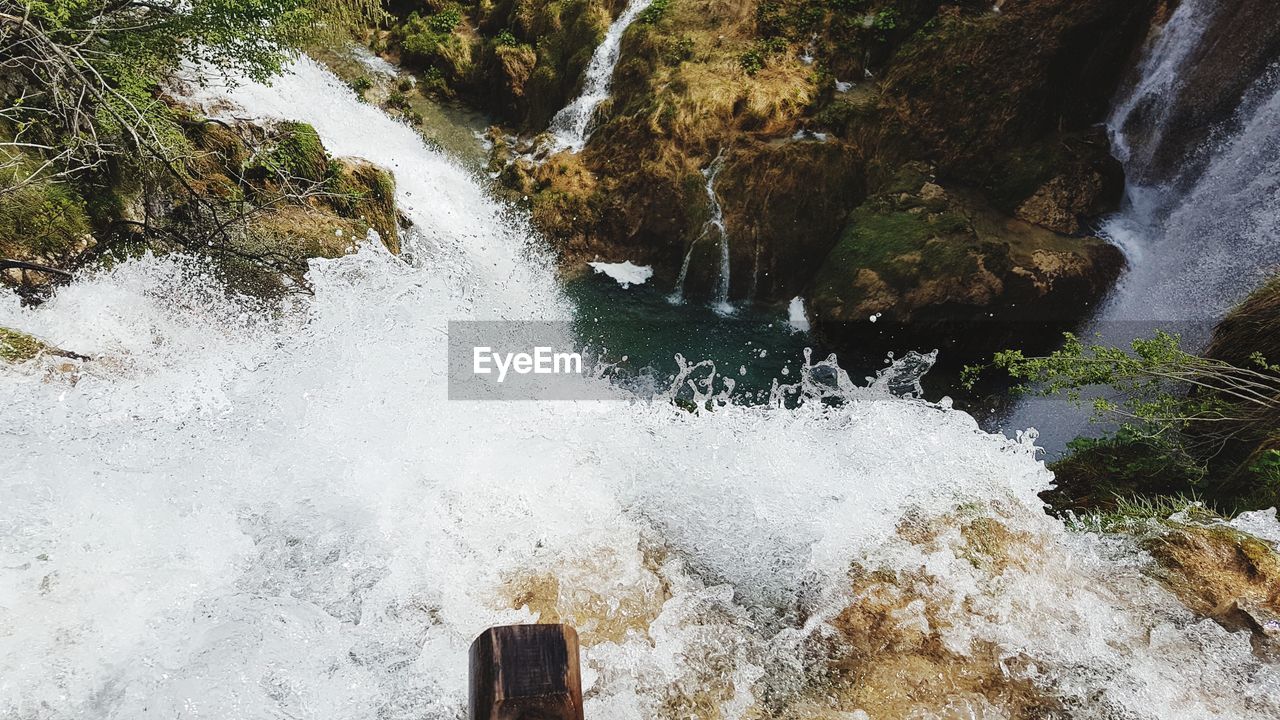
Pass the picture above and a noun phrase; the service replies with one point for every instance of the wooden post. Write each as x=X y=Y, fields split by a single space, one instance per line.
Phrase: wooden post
x=526 y=672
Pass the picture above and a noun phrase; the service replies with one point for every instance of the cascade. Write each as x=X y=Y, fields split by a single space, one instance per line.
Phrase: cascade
x=714 y=225
x=571 y=126
x=1197 y=243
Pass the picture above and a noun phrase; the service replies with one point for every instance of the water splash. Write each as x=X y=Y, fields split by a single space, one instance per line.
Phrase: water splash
x=571 y=126
x=237 y=511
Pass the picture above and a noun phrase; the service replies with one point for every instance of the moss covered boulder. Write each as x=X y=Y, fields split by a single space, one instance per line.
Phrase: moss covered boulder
x=293 y=151
x=921 y=263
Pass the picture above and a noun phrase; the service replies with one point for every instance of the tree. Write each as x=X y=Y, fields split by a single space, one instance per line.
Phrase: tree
x=1188 y=423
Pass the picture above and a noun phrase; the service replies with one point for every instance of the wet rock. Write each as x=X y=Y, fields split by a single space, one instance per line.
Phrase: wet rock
x=1224 y=574
x=928 y=259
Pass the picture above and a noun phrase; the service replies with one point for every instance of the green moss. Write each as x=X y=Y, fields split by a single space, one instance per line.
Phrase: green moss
x=296 y=152
x=901 y=245
x=365 y=192
x=44 y=219
x=19 y=347
x=654 y=12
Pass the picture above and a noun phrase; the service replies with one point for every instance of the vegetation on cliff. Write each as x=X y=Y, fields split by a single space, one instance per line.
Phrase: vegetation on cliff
x=815 y=107
x=95 y=158
x=1206 y=426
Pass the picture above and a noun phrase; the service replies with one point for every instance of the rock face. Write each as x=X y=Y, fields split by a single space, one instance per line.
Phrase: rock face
x=919 y=263
x=814 y=107
x=520 y=59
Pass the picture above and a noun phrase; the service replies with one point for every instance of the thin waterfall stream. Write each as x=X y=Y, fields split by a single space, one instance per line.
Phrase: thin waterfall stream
x=713 y=226
x=571 y=126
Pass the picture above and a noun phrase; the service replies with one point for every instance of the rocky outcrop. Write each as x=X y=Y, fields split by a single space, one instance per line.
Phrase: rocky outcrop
x=260 y=200
x=519 y=59
x=814 y=107
x=923 y=263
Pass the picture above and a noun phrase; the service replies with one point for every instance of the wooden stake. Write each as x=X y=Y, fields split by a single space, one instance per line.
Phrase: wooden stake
x=526 y=672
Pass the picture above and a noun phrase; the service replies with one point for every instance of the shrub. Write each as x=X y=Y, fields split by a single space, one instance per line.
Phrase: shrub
x=444 y=22
x=1189 y=422
x=654 y=12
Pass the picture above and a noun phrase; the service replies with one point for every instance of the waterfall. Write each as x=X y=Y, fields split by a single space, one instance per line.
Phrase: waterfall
x=714 y=225
x=716 y=222
x=238 y=511
x=572 y=125
x=1197 y=243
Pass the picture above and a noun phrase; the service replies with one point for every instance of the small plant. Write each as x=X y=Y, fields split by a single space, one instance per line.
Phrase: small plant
x=885 y=20
x=506 y=38
x=361 y=84
x=1136 y=513
x=397 y=100
x=752 y=61
x=654 y=12
x=405 y=84
x=1187 y=422
x=678 y=50
x=774 y=45
x=444 y=22
x=433 y=80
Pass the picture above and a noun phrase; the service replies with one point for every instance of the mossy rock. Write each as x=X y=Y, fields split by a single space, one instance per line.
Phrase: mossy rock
x=364 y=192
x=17 y=347
x=295 y=151
x=938 y=268
x=44 y=222
x=891 y=247
x=1222 y=573
x=1251 y=328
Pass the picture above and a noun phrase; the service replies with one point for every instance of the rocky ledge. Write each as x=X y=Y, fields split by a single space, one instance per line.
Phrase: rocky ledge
x=258 y=199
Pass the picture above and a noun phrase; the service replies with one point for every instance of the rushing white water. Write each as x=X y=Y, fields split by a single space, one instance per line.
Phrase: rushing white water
x=571 y=126
x=1196 y=245
x=713 y=227
x=239 y=512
